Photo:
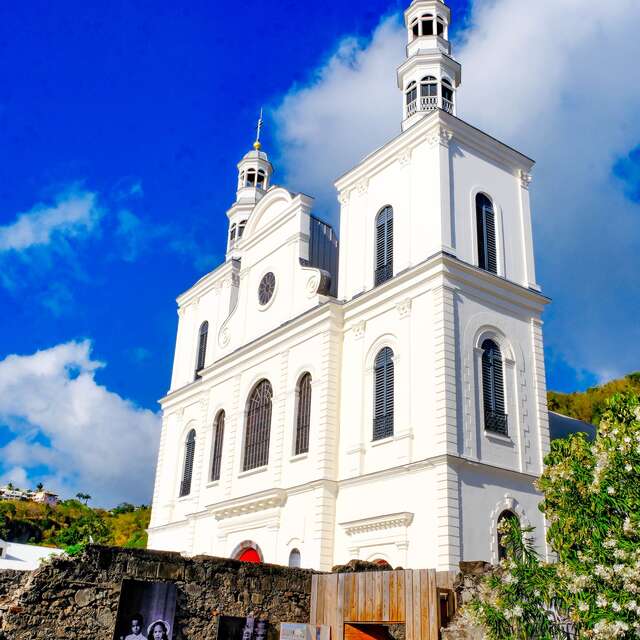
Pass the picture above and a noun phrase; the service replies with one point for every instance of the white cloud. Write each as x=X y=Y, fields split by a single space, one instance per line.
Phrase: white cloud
x=556 y=80
x=349 y=108
x=74 y=213
x=88 y=438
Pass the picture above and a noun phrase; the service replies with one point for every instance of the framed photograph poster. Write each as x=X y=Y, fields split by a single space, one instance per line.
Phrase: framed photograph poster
x=146 y=611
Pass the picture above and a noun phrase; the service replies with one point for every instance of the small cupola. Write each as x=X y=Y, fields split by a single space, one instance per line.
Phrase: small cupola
x=254 y=171
x=429 y=77
x=254 y=179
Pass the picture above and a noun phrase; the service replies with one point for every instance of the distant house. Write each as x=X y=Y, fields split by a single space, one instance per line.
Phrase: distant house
x=23 y=557
x=46 y=497
x=13 y=494
x=561 y=426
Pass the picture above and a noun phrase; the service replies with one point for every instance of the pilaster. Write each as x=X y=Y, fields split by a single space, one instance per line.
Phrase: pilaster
x=448 y=518
x=445 y=369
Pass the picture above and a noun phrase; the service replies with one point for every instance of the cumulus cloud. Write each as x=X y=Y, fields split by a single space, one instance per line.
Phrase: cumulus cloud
x=74 y=213
x=350 y=106
x=556 y=82
x=85 y=437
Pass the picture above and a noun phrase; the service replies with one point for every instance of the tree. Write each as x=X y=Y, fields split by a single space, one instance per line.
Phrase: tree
x=83 y=496
x=591 y=499
x=39 y=486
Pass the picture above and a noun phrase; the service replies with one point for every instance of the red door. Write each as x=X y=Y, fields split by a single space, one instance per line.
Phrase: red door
x=249 y=555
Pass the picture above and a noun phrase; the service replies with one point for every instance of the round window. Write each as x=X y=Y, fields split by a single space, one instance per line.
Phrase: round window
x=266 y=288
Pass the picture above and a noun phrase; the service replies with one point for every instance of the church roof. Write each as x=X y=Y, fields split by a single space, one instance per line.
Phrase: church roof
x=561 y=426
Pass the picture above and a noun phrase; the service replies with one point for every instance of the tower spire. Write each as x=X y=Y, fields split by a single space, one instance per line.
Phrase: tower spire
x=429 y=77
x=257 y=145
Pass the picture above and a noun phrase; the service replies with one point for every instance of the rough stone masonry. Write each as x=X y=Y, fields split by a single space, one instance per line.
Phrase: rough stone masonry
x=76 y=598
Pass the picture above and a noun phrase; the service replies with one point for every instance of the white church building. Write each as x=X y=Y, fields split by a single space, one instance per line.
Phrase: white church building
x=386 y=401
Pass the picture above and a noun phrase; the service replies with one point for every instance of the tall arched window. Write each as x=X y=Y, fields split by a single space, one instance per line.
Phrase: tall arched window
x=384 y=246
x=202 y=347
x=411 y=96
x=295 y=559
x=251 y=178
x=258 y=432
x=383 y=394
x=218 y=439
x=241 y=225
x=262 y=179
x=504 y=518
x=187 y=469
x=440 y=27
x=428 y=93
x=303 y=417
x=447 y=95
x=486 y=230
x=495 y=418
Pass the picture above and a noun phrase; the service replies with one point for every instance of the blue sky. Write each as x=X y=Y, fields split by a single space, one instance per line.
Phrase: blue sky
x=120 y=128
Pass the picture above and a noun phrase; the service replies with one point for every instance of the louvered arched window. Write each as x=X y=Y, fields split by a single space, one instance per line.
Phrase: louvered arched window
x=383 y=394
x=202 y=347
x=218 y=439
x=495 y=418
x=187 y=470
x=505 y=517
x=384 y=245
x=303 y=417
x=486 y=229
x=258 y=431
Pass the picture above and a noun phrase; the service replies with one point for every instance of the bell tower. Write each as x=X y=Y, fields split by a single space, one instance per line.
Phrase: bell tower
x=254 y=178
x=429 y=77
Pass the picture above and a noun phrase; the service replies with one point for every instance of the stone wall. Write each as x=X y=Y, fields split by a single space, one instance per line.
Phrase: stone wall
x=78 y=597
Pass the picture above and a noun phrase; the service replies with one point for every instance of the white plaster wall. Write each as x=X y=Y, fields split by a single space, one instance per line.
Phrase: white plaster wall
x=485 y=493
x=473 y=174
x=412 y=492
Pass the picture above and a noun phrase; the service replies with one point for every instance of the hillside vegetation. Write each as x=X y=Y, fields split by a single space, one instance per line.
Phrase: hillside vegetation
x=73 y=523
x=588 y=405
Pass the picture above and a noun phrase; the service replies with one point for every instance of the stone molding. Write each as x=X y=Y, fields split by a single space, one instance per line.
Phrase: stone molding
x=378 y=523
x=271 y=500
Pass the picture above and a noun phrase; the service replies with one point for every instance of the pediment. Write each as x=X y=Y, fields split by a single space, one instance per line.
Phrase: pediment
x=269 y=209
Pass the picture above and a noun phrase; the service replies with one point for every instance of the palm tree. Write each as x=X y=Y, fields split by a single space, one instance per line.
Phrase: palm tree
x=39 y=486
x=83 y=496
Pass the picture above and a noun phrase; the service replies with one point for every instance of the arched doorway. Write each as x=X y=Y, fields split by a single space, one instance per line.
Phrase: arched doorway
x=248 y=551
x=249 y=555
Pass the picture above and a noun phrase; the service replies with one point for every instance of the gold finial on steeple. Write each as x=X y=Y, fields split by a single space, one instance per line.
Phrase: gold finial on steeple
x=257 y=145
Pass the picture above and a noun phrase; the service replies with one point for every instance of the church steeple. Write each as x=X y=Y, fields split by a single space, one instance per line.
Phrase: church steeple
x=254 y=178
x=429 y=77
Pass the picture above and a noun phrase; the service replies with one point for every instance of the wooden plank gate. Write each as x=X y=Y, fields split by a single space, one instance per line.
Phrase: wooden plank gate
x=423 y=600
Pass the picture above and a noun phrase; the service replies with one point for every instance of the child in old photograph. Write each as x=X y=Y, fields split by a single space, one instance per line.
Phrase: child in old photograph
x=136 y=626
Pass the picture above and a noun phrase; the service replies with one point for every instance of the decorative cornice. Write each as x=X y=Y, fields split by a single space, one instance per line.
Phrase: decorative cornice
x=404 y=158
x=362 y=187
x=440 y=136
x=359 y=329
x=525 y=179
x=261 y=502
x=378 y=523
x=404 y=308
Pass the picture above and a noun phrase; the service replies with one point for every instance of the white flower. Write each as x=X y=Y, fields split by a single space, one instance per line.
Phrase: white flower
x=517 y=611
x=611 y=491
x=583 y=606
x=615 y=606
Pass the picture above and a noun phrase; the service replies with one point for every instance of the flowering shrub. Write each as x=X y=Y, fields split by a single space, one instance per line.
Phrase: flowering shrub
x=592 y=503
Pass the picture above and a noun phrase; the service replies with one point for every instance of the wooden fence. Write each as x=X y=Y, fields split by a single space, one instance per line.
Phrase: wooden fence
x=423 y=600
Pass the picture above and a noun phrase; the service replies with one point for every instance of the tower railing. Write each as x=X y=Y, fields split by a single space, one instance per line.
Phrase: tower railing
x=429 y=103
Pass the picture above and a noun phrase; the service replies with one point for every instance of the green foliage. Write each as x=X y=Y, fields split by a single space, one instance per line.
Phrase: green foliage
x=592 y=501
x=73 y=524
x=589 y=405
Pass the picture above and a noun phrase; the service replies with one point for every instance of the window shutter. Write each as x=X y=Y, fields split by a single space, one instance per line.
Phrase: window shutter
x=303 y=422
x=384 y=246
x=217 y=448
x=492 y=264
x=495 y=418
x=189 y=453
x=383 y=394
x=486 y=233
x=202 y=346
